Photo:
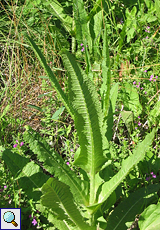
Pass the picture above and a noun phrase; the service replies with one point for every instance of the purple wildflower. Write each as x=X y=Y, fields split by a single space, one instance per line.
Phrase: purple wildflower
x=82 y=49
x=148 y=178
x=153 y=175
x=21 y=143
x=14 y=146
x=34 y=222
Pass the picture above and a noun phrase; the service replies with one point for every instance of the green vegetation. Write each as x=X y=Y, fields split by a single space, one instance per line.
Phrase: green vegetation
x=80 y=113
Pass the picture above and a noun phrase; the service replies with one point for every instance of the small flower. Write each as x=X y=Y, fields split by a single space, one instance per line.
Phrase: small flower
x=148 y=178
x=10 y=201
x=145 y=71
x=137 y=86
x=139 y=123
x=139 y=117
x=14 y=146
x=145 y=92
x=121 y=21
x=5 y=186
x=141 y=87
x=134 y=82
x=147 y=37
x=21 y=143
x=81 y=44
x=17 y=141
x=67 y=163
x=82 y=49
x=34 y=222
x=147 y=29
x=71 y=150
x=156 y=77
x=153 y=175
x=30 y=216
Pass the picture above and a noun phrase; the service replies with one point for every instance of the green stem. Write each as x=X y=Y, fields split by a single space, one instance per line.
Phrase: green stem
x=92 y=187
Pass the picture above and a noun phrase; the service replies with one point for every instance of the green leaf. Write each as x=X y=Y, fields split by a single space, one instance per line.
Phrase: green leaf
x=157 y=6
x=5 y=111
x=58 y=197
x=57 y=9
x=106 y=74
x=35 y=107
x=127 y=165
x=80 y=17
x=29 y=175
x=88 y=116
x=131 y=99
x=98 y=5
x=150 y=218
x=154 y=115
x=88 y=120
x=54 y=164
x=127 y=117
x=51 y=76
x=58 y=113
x=108 y=129
x=131 y=206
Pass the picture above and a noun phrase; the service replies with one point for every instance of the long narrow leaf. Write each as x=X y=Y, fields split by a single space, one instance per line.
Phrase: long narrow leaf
x=106 y=74
x=54 y=164
x=130 y=207
x=80 y=17
x=88 y=120
x=51 y=76
x=127 y=165
x=58 y=197
x=88 y=116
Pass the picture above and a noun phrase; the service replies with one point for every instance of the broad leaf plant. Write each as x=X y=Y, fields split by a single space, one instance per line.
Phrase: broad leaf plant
x=75 y=202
